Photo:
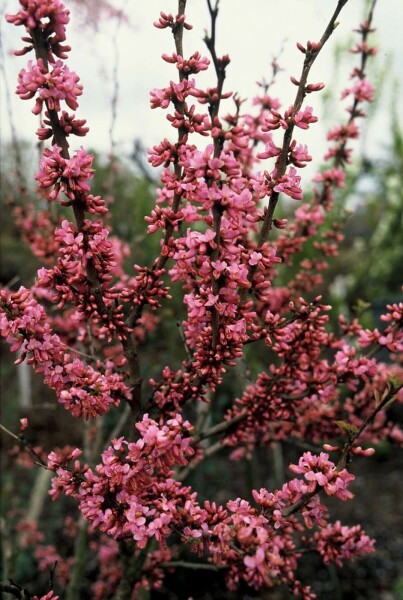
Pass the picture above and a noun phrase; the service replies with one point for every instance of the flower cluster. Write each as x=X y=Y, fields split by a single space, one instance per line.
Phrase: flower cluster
x=132 y=492
x=392 y=336
x=84 y=391
x=337 y=542
x=49 y=87
x=49 y=18
x=320 y=471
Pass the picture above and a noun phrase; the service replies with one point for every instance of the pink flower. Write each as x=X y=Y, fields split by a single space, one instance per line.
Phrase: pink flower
x=362 y=91
x=338 y=542
x=49 y=596
x=290 y=184
x=304 y=118
x=167 y=20
x=52 y=87
x=24 y=424
x=333 y=176
x=320 y=471
x=69 y=176
x=270 y=151
x=50 y=17
x=194 y=64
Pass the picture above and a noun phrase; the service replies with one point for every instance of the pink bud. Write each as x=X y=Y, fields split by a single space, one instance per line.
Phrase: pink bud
x=280 y=223
x=314 y=46
x=360 y=452
x=314 y=87
x=24 y=424
x=330 y=448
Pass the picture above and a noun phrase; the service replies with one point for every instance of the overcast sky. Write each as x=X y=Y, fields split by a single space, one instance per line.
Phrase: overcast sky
x=250 y=31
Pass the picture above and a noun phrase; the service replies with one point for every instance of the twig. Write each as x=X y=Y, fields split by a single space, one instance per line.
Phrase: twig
x=38 y=495
x=346 y=454
x=339 y=158
x=80 y=555
x=15 y=590
x=217 y=209
x=182 y=132
x=282 y=161
x=387 y=398
x=213 y=449
x=128 y=342
x=119 y=426
x=21 y=440
x=182 y=564
x=90 y=450
x=219 y=428
x=310 y=57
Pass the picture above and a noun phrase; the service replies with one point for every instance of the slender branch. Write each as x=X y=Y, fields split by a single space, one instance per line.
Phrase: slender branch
x=21 y=440
x=386 y=399
x=213 y=449
x=182 y=564
x=91 y=450
x=132 y=568
x=347 y=450
x=178 y=30
x=15 y=590
x=204 y=409
x=38 y=495
x=78 y=206
x=219 y=428
x=339 y=158
x=217 y=210
x=135 y=314
x=283 y=161
x=80 y=555
x=119 y=426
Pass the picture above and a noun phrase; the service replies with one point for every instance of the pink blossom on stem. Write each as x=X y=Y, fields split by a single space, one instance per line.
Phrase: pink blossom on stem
x=50 y=17
x=362 y=91
x=337 y=542
x=290 y=184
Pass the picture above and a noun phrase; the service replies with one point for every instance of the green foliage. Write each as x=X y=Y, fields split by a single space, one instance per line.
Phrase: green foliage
x=373 y=250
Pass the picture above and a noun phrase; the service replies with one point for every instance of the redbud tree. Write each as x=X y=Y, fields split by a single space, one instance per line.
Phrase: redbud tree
x=244 y=279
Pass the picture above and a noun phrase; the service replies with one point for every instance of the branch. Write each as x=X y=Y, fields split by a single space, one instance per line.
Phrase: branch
x=193 y=566
x=159 y=264
x=347 y=450
x=387 y=399
x=15 y=590
x=21 y=440
x=217 y=210
x=339 y=158
x=78 y=206
x=219 y=428
x=80 y=555
x=213 y=449
x=119 y=426
x=282 y=163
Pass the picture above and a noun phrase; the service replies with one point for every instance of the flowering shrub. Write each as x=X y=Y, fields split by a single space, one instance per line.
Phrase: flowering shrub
x=223 y=176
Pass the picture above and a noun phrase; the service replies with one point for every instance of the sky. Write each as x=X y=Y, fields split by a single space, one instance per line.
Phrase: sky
x=251 y=32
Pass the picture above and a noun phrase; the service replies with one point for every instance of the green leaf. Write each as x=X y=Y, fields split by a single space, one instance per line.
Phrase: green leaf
x=361 y=306
x=347 y=427
x=394 y=383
